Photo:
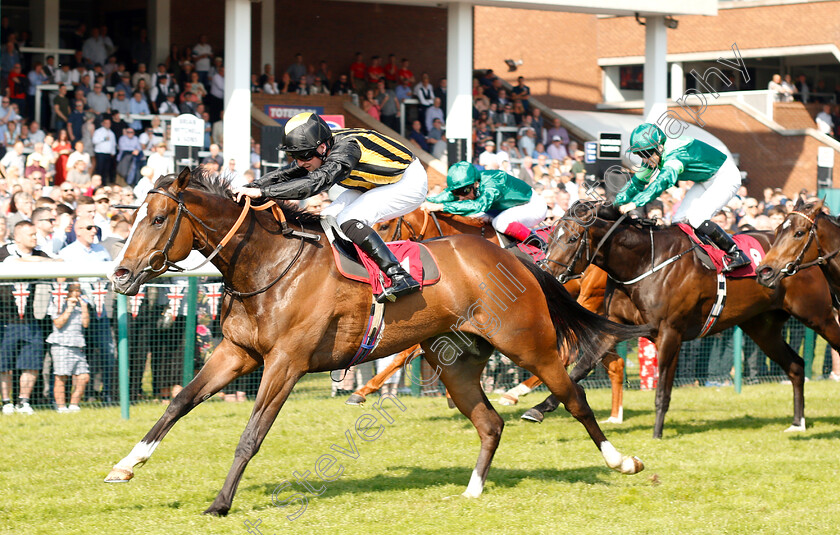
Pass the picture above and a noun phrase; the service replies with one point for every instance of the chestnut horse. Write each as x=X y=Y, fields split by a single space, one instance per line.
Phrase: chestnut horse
x=656 y=279
x=589 y=290
x=807 y=237
x=287 y=307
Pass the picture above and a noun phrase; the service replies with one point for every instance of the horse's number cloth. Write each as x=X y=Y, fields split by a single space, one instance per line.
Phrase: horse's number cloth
x=745 y=242
x=418 y=262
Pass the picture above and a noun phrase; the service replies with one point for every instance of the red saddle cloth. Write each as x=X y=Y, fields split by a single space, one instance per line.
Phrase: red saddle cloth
x=533 y=251
x=745 y=242
x=414 y=257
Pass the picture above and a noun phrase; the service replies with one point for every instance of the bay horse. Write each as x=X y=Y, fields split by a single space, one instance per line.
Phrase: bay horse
x=656 y=279
x=589 y=291
x=807 y=237
x=287 y=307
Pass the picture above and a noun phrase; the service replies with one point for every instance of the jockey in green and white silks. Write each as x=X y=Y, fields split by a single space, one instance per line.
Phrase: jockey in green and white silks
x=515 y=206
x=667 y=161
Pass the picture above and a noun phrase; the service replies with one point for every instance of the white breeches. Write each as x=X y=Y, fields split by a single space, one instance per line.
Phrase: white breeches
x=529 y=214
x=382 y=202
x=705 y=199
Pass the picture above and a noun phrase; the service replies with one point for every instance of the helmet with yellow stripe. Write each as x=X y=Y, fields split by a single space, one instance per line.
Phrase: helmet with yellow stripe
x=303 y=134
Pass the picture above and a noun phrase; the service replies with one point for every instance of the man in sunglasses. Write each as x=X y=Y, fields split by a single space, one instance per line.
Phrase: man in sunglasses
x=383 y=179
x=514 y=205
x=665 y=162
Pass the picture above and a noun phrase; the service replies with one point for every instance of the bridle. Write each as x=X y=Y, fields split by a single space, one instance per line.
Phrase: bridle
x=791 y=268
x=168 y=265
x=414 y=236
x=583 y=245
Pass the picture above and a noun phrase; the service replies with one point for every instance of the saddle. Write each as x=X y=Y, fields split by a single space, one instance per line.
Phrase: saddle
x=712 y=257
x=353 y=264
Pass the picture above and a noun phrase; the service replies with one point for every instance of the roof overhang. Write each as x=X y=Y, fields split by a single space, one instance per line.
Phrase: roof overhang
x=645 y=8
x=713 y=55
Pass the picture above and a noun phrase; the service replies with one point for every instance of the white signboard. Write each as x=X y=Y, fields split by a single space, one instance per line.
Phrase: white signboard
x=188 y=131
x=825 y=157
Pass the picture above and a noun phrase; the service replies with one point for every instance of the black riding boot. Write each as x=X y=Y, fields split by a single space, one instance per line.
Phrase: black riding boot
x=735 y=257
x=534 y=240
x=369 y=241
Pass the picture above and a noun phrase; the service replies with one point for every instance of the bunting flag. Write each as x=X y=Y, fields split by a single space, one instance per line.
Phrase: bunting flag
x=135 y=301
x=59 y=294
x=175 y=296
x=214 y=296
x=21 y=293
x=99 y=292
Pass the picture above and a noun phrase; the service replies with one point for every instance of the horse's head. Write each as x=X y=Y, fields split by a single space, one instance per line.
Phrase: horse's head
x=570 y=244
x=158 y=237
x=793 y=244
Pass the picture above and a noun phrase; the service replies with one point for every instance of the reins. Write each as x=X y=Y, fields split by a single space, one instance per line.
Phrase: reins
x=286 y=231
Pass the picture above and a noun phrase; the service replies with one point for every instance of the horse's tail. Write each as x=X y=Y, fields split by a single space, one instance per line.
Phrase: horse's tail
x=577 y=327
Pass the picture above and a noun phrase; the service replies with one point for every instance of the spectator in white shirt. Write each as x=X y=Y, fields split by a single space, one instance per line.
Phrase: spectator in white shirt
x=825 y=123
x=105 y=148
x=160 y=163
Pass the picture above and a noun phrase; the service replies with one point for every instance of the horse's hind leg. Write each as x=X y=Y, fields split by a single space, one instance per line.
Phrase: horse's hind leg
x=766 y=330
x=463 y=382
x=376 y=382
x=226 y=364
x=573 y=398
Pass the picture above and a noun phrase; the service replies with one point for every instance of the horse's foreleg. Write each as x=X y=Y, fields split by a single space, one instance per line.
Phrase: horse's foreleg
x=376 y=382
x=573 y=398
x=668 y=346
x=767 y=334
x=226 y=364
x=462 y=379
x=511 y=397
x=277 y=383
x=615 y=371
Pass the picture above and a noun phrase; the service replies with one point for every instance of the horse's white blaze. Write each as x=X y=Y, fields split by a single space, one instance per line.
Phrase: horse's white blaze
x=611 y=455
x=141 y=215
x=475 y=487
x=139 y=454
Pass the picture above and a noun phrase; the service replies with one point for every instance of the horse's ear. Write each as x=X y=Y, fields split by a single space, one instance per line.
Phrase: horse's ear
x=799 y=203
x=819 y=205
x=182 y=181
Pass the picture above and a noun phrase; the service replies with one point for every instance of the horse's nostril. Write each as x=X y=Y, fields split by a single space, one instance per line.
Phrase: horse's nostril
x=121 y=273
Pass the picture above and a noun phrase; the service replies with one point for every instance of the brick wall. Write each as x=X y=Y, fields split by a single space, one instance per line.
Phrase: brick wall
x=795 y=115
x=755 y=27
x=558 y=50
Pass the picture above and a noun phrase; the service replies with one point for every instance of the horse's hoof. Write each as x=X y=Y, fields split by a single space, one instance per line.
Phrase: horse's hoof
x=468 y=494
x=533 y=415
x=796 y=428
x=507 y=400
x=631 y=465
x=211 y=511
x=613 y=420
x=355 y=399
x=119 y=475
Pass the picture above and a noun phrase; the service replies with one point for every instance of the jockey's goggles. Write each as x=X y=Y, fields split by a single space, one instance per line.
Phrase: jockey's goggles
x=462 y=192
x=647 y=153
x=303 y=155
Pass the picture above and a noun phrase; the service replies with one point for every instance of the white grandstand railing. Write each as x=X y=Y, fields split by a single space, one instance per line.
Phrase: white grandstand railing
x=72 y=270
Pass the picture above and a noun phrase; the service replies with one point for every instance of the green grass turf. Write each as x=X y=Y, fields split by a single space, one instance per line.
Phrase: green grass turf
x=724 y=466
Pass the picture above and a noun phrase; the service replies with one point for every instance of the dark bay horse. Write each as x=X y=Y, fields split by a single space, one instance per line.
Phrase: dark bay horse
x=589 y=291
x=287 y=307
x=807 y=237
x=656 y=279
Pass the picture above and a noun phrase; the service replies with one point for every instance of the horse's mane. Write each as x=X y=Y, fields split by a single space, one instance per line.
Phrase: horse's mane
x=202 y=179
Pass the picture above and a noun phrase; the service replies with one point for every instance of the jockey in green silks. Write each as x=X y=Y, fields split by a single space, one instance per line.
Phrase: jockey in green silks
x=667 y=161
x=512 y=205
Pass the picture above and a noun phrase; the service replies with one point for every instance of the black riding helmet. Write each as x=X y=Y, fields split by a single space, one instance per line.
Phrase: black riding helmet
x=303 y=134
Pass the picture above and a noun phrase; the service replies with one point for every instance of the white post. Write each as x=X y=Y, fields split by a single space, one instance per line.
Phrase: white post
x=459 y=67
x=44 y=22
x=159 y=15
x=267 y=29
x=677 y=81
x=656 y=65
x=237 y=130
